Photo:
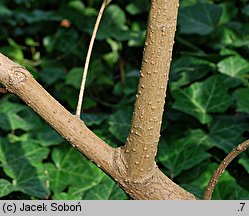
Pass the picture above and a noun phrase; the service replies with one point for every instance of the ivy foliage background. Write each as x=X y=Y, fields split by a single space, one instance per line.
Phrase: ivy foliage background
x=207 y=104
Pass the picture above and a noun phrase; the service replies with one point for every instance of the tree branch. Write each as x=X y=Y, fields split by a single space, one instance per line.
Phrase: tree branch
x=142 y=143
x=19 y=81
x=220 y=170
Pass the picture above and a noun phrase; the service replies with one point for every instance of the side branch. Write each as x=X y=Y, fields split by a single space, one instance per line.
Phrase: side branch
x=220 y=170
x=19 y=81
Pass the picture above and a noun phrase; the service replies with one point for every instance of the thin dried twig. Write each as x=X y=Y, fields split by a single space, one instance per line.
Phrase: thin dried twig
x=83 y=82
x=220 y=170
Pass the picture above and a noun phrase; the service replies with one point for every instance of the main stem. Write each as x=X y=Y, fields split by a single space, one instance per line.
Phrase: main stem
x=142 y=143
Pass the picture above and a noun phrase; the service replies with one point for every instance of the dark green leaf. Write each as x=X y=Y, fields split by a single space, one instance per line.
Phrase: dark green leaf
x=74 y=77
x=93 y=119
x=96 y=69
x=244 y=161
x=227 y=131
x=242 y=99
x=201 y=18
x=120 y=124
x=203 y=98
x=245 y=10
x=10 y=116
x=4 y=122
x=24 y=167
x=70 y=168
x=113 y=24
x=73 y=193
x=64 y=41
x=5 y=187
x=38 y=16
x=229 y=11
x=186 y=70
x=47 y=136
x=106 y=190
x=137 y=7
x=107 y=137
x=185 y=153
x=51 y=75
x=4 y=11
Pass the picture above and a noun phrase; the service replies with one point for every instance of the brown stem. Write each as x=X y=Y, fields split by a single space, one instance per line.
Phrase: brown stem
x=220 y=170
x=18 y=80
x=89 y=52
x=141 y=145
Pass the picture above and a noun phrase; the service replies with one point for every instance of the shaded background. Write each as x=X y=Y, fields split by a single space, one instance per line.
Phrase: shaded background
x=207 y=105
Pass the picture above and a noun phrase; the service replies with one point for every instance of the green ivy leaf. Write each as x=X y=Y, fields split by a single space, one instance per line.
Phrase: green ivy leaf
x=4 y=11
x=137 y=7
x=242 y=99
x=129 y=88
x=227 y=132
x=38 y=16
x=186 y=70
x=93 y=119
x=229 y=11
x=24 y=167
x=106 y=190
x=73 y=193
x=4 y=122
x=47 y=136
x=120 y=123
x=190 y=175
x=184 y=153
x=107 y=137
x=229 y=189
x=11 y=118
x=51 y=75
x=201 y=18
x=113 y=24
x=244 y=161
x=5 y=187
x=74 y=77
x=17 y=122
x=96 y=69
x=202 y=98
x=64 y=42
x=234 y=66
x=70 y=168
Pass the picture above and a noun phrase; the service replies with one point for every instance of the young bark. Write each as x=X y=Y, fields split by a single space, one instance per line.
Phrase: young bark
x=142 y=143
x=133 y=166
